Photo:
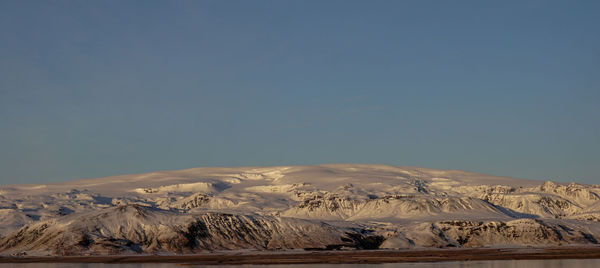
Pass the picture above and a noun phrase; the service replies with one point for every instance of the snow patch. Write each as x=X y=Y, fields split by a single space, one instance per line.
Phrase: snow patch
x=203 y=187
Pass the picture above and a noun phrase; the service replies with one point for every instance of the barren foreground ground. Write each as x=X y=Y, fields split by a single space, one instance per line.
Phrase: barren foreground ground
x=308 y=257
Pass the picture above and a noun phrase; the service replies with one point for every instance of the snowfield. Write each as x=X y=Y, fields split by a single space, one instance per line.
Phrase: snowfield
x=342 y=206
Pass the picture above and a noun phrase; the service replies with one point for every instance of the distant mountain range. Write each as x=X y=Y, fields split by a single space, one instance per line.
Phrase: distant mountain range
x=342 y=206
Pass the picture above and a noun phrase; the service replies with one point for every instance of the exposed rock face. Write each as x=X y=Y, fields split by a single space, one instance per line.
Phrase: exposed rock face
x=195 y=201
x=279 y=208
x=327 y=206
x=133 y=228
x=517 y=232
x=535 y=204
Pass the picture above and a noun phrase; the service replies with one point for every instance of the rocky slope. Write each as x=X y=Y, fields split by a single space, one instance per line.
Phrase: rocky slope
x=300 y=207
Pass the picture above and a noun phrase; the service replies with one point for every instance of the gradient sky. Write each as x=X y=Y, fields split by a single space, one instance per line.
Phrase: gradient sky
x=99 y=88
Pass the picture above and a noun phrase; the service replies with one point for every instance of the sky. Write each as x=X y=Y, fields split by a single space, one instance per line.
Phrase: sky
x=99 y=88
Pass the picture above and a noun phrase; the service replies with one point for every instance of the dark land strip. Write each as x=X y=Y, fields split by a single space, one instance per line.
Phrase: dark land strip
x=312 y=257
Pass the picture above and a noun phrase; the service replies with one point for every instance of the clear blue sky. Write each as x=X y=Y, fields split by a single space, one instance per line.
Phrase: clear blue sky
x=99 y=88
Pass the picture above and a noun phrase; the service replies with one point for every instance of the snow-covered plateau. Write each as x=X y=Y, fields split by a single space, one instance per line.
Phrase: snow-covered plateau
x=341 y=206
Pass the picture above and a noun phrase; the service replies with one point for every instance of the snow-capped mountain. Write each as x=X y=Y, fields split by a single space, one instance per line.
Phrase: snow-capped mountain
x=295 y=207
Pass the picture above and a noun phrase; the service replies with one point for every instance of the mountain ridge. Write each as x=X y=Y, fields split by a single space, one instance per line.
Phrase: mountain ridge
x=363 y=206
